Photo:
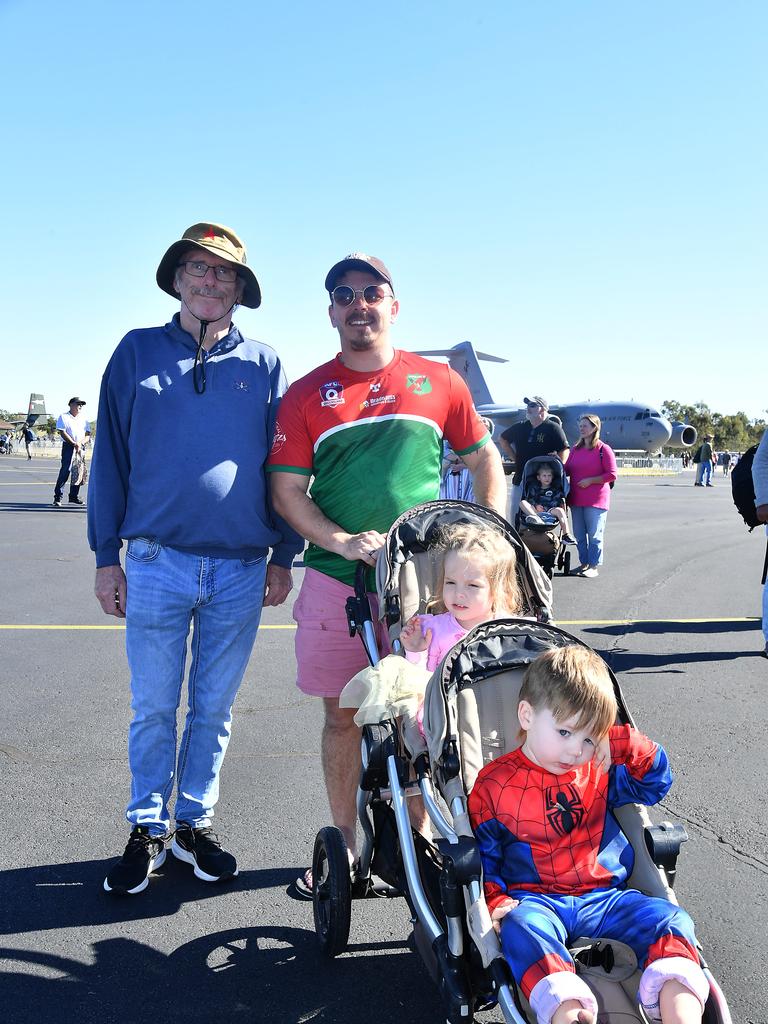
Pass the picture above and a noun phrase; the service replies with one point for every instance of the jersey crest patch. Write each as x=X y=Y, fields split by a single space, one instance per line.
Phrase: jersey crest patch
x=419 y=384
x=332 y=393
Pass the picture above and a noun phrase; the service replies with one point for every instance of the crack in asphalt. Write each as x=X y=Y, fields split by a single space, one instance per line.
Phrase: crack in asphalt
x=711 y=834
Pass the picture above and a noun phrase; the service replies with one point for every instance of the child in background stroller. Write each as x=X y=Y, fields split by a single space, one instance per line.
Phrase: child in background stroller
x=470 y=718
x=542 y=520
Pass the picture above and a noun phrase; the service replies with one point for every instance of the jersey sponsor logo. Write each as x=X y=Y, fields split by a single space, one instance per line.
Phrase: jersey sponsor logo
x=419 y=384
x=376 y=386
x=332 y=394
x=241 y=385
x=279 y=439
x=379 y=400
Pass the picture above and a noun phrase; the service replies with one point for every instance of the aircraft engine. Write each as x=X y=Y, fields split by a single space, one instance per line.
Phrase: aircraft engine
x=683 y=436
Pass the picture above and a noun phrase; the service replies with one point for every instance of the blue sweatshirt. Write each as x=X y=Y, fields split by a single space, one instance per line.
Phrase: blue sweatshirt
x=182 y=468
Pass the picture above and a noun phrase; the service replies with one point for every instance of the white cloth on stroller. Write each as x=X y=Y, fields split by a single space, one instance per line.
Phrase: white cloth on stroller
x=390 y=689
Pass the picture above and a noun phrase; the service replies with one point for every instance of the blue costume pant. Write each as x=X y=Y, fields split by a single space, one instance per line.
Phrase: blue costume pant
x=535 y=935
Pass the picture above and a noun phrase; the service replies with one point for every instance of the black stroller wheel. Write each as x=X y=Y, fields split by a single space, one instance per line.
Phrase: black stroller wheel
x=331 y=891
x=567 y=563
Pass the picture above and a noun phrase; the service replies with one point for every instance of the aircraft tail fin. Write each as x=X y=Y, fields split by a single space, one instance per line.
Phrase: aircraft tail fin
x=464 y=360
x=36 y=409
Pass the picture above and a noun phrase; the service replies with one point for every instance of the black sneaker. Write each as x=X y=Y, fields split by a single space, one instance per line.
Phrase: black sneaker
x=75 y=501
x=201 y=848
x=143 y=855
x=57 y=502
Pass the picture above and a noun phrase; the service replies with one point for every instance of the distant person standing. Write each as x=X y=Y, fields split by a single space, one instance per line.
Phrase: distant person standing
x=539 y=435
x=28 y=438
x=73 y=428
x=706 y=463
x=591 y=468
x=760 y=481
x=725 y=458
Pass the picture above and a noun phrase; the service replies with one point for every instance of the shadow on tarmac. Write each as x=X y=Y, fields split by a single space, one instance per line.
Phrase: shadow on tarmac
x=40 y=506
x=70 y=895
x=269 y=973
x=665 y=626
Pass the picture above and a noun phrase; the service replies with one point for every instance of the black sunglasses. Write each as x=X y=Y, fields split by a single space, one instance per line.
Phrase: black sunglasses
x=343 y=295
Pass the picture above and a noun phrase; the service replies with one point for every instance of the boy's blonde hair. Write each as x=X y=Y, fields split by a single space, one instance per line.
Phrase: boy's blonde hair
x=498 y=558
x=572 y=681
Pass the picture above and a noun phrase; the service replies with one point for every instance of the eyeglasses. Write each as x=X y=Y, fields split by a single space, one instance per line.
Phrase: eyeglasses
x=343 y=295
x=533 y=405
x=196 y=268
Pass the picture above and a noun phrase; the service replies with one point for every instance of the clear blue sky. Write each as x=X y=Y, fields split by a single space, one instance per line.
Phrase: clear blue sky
x=578 y=186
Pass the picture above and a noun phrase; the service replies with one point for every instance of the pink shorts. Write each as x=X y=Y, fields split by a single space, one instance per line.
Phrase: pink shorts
x=326 y=655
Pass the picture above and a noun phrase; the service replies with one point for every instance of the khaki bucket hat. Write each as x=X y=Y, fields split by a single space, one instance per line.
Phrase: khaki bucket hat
x=219 y=241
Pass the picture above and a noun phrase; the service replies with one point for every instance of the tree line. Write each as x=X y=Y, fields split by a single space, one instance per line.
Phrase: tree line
x=732 y=432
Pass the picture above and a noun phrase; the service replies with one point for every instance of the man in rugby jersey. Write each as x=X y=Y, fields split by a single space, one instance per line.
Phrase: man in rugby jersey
x=366 y=429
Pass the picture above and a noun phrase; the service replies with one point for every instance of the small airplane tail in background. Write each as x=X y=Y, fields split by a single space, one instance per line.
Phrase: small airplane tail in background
x=36 y=409
x=464 y=360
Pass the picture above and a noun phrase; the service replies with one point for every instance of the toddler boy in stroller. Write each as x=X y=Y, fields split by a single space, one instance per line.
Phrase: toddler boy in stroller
x=542 y=519
x=544 y=503
x=554 y=857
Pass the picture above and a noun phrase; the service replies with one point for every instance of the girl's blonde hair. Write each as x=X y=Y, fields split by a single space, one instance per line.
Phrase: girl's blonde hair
x=572 y=681
x=594 y=439
x=498 y=559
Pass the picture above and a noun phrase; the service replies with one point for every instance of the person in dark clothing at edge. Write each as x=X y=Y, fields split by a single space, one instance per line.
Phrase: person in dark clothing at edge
x=537 y=435
x=192 y=503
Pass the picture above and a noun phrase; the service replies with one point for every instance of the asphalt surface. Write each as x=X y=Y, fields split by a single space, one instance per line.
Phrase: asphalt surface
x=675 y=611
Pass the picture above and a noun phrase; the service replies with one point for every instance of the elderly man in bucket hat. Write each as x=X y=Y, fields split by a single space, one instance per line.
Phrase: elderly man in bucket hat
x=186 y=418
x=536 y=435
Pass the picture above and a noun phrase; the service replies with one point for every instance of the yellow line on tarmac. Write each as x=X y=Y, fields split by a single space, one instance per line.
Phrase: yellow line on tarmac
x=559 y=622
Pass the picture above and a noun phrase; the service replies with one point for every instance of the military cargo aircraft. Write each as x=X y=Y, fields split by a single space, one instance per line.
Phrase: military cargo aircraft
x=626 y=426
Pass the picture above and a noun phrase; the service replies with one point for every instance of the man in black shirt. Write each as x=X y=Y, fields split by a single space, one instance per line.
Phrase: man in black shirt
x=537 y=435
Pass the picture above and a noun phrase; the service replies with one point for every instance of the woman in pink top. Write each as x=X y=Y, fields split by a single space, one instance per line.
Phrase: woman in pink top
x=591 y=468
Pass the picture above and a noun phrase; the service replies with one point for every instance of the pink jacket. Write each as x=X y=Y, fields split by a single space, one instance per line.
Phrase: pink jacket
x=446 y=632
x=584 y=462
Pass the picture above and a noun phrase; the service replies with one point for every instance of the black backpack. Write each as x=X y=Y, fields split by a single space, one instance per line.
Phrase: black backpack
x=743 y=489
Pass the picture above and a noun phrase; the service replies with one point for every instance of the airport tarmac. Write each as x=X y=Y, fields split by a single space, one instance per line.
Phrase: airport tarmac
x=675 y=611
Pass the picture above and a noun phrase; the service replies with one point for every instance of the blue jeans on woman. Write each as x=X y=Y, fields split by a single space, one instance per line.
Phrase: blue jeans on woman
x=588 y=529
x=222 y=598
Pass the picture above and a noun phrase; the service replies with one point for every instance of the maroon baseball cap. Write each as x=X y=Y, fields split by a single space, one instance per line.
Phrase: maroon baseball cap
x=357 y=261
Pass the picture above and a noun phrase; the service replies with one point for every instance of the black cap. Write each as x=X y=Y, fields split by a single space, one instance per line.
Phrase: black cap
x=357 y=261
x=76 y=401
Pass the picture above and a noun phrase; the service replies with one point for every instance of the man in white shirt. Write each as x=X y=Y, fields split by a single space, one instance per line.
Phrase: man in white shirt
x=73 y=428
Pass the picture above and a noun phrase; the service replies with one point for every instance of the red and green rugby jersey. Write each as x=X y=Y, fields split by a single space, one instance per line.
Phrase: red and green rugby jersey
x=372 y=442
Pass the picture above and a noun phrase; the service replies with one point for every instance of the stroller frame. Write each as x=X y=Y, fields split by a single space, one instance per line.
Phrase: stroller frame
x=443 y=885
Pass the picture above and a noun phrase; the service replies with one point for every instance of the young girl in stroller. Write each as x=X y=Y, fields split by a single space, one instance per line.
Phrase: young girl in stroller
x=478 y=582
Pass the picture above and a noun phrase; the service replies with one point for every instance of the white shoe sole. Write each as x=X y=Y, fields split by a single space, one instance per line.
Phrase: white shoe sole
x=158 y=862
x=188 y=858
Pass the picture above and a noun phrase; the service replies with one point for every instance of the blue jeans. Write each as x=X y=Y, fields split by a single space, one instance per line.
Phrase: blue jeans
x=588 y=529
x=706 y=472
x=222 y=597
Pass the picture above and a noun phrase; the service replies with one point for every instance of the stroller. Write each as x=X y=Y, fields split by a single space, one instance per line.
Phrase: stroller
x=545 y=540
x=469 y=718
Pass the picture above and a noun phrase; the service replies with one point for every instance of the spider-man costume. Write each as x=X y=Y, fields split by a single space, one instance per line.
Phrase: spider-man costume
x=551 y=842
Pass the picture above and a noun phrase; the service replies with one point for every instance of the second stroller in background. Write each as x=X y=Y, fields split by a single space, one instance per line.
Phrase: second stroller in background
x=545 y=533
